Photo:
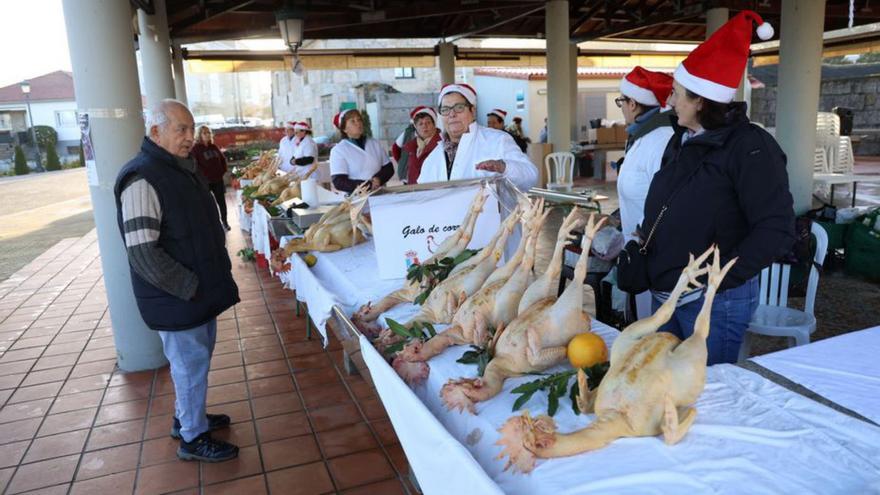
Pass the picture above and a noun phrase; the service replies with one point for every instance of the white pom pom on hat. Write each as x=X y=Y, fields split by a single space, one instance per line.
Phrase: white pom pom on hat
x=765 y=31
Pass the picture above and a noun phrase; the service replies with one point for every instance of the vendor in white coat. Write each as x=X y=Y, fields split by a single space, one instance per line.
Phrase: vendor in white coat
x=643 y=96
x=285 y=148
x=469 y=150
x=357 y=159
x=305 y=150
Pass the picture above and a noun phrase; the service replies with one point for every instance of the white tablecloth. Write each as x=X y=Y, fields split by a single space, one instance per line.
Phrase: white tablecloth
x=750 y=436
x=844 y=369
x=347 y=278
x=260 y=230
x=244 y=219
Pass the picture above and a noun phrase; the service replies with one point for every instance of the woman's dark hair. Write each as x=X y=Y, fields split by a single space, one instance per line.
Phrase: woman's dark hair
x=641 y=109
x=349 y=114
x=713 y=114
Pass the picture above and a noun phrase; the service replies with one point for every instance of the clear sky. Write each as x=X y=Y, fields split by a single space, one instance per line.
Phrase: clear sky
x=33 y=40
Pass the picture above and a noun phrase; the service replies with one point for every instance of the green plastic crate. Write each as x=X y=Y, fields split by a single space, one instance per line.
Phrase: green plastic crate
x=862 y=252
x=836 y=233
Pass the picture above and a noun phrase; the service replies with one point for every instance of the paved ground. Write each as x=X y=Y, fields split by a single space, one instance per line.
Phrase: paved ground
x=36 y=211
x=70 y=422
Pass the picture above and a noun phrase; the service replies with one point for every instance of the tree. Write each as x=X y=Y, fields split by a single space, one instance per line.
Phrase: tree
x=46 y=136
x=21 y=167
x=52 y=161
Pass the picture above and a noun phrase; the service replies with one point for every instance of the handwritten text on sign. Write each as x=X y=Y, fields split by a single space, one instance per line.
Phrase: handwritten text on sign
x=408 y=227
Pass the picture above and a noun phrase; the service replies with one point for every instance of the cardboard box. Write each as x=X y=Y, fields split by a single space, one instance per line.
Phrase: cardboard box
x=605 y=135
x=620 y=134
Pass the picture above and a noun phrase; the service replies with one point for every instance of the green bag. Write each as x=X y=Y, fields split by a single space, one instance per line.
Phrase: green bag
x=863 y=247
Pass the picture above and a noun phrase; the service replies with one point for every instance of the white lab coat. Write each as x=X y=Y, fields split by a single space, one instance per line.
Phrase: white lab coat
x=478 y=145
x=641 y=162
x=285 y=153
x=346 y=158
x=304 y=148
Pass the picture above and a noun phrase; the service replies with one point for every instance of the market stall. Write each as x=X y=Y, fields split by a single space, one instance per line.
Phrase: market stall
x=751 y=434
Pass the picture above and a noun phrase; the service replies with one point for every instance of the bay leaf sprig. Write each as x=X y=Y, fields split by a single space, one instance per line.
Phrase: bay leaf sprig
x=556 y=385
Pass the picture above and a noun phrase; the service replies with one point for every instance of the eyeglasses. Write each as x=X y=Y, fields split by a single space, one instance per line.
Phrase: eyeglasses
x=457 y=108
x=620 y=100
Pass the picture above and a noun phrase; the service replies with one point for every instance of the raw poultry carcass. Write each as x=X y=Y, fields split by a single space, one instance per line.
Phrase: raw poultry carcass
x=547 y=285
x=294 y=190
x=333 y=231
x=451 y=247
x=534 y=341
x=494 y=305
x=273 y=186
x=265 y=168
x=449 y=294
x=262 y=169
x=653 y=381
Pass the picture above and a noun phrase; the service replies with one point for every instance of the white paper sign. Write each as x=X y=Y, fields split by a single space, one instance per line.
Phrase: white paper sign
x=408 y=227
x=88 y=150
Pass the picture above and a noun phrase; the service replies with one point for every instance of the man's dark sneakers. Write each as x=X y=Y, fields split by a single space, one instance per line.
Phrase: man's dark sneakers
x=206 y=449
x=215 y=422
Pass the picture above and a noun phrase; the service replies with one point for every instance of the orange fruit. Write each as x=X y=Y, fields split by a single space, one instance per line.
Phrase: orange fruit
x=587 y=349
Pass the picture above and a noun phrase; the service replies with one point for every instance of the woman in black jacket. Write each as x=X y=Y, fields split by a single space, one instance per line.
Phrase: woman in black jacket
x=723 y=181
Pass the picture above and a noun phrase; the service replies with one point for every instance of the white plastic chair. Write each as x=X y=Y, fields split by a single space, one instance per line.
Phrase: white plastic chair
x=843 y=163
x=820 y=161
x=560 y=170
x=773 y=317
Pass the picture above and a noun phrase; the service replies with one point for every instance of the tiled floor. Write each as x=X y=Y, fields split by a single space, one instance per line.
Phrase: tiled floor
x=71 y=423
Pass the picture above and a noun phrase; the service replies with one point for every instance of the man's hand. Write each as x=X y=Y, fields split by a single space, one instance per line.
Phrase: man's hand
x=375 y=183
x=492 y=166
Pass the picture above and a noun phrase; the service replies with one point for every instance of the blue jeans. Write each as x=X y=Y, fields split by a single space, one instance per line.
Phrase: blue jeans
x=732 y=310
x=189 y=353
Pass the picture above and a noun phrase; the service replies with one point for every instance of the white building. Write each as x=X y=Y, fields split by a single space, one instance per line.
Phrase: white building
x=52 y=103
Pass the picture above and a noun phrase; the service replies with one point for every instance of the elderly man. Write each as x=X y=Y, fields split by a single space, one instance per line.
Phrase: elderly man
x=469 y=150
x=180 y=270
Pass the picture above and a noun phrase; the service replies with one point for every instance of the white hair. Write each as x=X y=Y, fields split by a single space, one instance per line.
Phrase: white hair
x=157 y=115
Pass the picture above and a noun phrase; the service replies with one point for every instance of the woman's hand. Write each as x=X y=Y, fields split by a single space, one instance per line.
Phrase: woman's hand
x=492 y=166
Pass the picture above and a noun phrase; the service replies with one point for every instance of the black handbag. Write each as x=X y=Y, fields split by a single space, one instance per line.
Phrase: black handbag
x=632 y=264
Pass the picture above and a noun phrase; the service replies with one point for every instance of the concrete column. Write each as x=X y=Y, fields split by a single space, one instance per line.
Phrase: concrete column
x=179 y=77
x=155 y=54
x=559 y=109
x=99 y=37
x=446 y=62
x=715 y=18
x=573 y=90
x=797 y=101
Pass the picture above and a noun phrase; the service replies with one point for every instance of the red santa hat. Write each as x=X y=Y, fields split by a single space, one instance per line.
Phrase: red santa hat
x=501 y=114
x=337 y=119
x=422 y=110
x=289 y=125
x=463 y=89
x=715 y=68
x=646 y=87
x=301 y=126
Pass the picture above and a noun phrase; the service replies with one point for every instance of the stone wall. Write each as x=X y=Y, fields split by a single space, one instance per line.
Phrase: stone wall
x=857 y=94
x=394 y=111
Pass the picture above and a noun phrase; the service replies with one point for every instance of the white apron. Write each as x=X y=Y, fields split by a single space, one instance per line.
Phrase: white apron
x=641 y=162
x=346 y=158
x=478 y=145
